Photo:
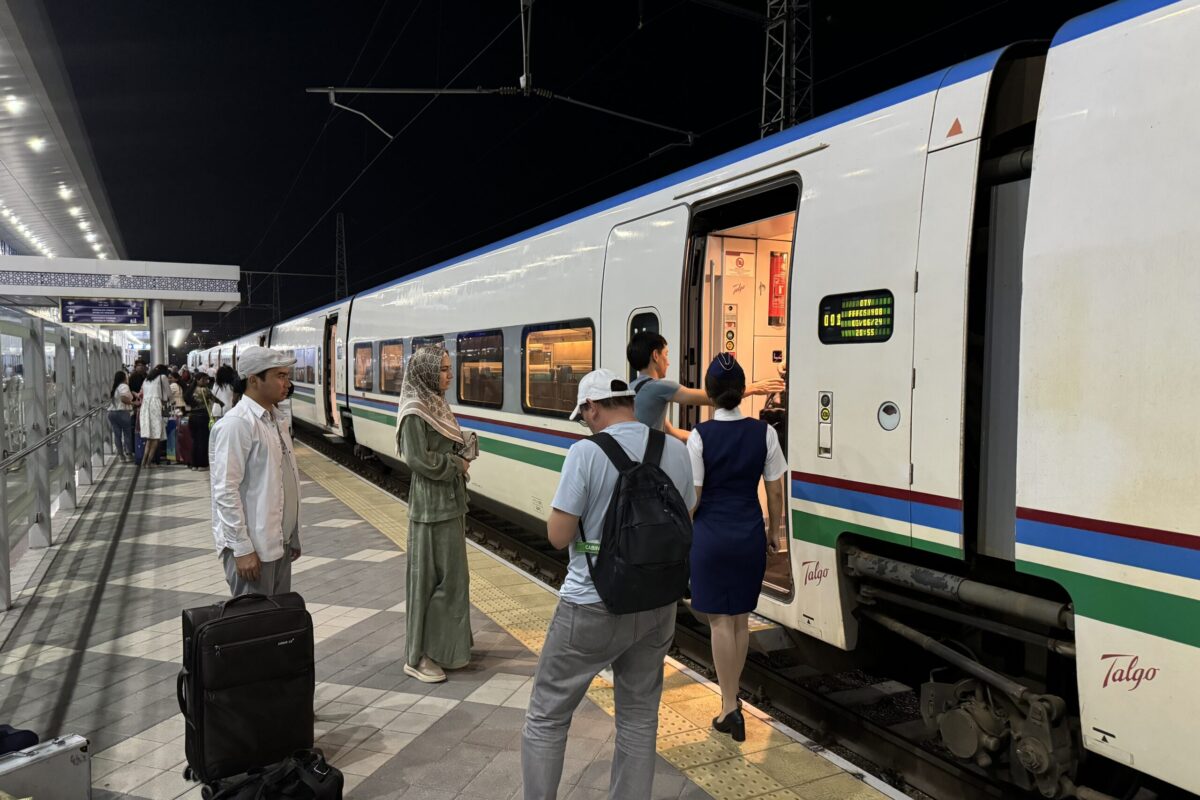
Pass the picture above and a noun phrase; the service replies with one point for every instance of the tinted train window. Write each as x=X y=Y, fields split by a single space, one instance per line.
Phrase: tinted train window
x=481 y=368
x=425 y=341
x=391 y=366
x=364 y=368
x=555 y=357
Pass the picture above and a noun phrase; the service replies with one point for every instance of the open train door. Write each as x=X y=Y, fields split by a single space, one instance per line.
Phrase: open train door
x=643 y=273
x=329 y=373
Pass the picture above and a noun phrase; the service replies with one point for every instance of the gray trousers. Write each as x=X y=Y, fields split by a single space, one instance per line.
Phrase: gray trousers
x=275 y=577
x=583 y=640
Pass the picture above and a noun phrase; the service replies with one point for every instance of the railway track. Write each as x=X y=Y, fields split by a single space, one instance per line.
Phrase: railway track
x=875 y=724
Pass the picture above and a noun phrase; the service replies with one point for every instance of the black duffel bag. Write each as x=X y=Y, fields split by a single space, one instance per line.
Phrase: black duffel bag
x=305 y=775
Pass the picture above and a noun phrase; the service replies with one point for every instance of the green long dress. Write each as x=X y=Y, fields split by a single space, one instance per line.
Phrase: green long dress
x=438 y=607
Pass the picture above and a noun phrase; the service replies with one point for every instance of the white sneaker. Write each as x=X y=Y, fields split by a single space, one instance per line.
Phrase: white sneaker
x=425 y=671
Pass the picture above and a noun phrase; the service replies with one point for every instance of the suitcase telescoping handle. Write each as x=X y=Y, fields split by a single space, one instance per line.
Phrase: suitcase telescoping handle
x=244 y=597
x=179 y=691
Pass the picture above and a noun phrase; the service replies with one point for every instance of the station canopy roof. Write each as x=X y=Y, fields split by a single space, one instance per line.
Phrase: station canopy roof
x=62 y=239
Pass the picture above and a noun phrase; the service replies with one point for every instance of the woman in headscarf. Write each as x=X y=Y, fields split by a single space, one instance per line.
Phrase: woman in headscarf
x=429 y=439
x=730 y=454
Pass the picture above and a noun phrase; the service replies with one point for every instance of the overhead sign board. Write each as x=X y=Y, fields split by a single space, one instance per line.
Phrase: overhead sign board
x=103 y=312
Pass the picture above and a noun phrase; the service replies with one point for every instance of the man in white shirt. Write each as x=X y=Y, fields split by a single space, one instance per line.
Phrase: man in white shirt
x=255 y=483
x=584 y=637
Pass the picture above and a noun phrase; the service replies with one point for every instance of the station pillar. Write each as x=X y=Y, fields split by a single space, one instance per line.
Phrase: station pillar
x=158 y=334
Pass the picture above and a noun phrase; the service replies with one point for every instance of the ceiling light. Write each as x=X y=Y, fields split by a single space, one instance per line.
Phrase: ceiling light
x=37 y=143
x=102 y=255
x=74 y=211
x=84 y=225
x=14 y=104
x=91 y=237
x=65 y=192
x=97 y=246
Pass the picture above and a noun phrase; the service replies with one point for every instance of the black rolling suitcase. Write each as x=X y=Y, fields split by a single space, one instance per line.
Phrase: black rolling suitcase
x=246 y=687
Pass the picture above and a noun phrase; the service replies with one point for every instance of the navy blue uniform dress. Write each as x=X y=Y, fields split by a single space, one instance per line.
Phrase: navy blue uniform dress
x=729 y=545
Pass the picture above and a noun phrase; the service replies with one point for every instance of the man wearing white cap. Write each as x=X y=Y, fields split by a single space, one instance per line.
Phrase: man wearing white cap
x=255 y=483
x=584 y=637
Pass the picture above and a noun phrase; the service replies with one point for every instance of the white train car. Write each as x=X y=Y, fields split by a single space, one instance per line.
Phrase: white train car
x=318 y=342
x=972 y=349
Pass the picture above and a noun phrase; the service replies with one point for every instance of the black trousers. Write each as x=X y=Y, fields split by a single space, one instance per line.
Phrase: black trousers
x=199 y=425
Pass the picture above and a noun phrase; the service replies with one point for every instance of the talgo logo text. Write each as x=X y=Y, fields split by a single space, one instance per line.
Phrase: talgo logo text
x=1124 y=668
x=814 y=573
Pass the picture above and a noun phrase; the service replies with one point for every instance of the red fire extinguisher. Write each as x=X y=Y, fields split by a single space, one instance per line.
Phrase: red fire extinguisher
x=777 y=309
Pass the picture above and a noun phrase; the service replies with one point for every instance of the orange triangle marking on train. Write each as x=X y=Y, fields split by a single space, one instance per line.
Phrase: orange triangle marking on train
x=955 y=129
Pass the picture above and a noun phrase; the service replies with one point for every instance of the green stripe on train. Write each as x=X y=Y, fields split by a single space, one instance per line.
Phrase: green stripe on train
x=304 y=398
x=1147 y=610
x=374 y=416
x=809 y=527
x=516 y=452
x=825 y=531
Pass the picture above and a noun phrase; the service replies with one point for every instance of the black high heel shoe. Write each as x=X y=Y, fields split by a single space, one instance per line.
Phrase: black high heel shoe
x=734 y=724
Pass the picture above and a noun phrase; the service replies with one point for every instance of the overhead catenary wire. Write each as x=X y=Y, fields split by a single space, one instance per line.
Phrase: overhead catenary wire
x=321 y=133
x=704 y=133
x=385 y=148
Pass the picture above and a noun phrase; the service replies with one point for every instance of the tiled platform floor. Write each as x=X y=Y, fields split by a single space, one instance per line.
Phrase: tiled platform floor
x=95 y=652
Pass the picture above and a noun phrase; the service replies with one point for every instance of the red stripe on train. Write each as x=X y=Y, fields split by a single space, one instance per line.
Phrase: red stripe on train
x=881 y=491
x=1172 y=538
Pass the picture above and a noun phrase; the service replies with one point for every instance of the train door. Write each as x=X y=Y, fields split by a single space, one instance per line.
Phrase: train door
x=329 y=370
x=736 y=302
x=643 y=267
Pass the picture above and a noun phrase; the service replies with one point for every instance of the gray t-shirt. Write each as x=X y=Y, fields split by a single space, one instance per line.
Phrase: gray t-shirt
x=650 y=405
x=586 y=487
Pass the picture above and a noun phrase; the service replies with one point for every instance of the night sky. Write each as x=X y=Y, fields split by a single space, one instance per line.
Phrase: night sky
x=211 y=152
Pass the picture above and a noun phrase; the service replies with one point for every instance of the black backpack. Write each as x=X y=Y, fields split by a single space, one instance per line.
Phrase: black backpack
x=305 y=775
x=646 y=539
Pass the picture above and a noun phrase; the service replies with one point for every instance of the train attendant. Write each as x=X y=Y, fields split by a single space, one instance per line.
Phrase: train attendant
x=433 y=446
x=647 y=353
x=729 y=555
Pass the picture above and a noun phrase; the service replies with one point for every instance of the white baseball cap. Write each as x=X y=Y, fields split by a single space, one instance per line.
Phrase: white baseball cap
x=254 y=360
x=600 y=384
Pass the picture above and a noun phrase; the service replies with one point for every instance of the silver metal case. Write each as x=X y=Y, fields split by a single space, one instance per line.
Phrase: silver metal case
x=60 y=769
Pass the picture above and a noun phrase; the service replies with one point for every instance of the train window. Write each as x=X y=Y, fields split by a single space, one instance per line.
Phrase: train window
x=641 y=322
x=481 y=368
x=555 y=357
x=364 y=367
x=856 y=317
x=428 y=341
x=391 y=366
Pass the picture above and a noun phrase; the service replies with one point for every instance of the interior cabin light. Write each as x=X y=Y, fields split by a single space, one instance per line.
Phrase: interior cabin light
x=37 y=143
x=74 y=211
x=91 y=237
x=14 y=105
x=84 y=225
x=65 y=192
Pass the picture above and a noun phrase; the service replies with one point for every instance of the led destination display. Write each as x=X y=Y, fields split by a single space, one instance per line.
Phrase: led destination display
x=856 y=317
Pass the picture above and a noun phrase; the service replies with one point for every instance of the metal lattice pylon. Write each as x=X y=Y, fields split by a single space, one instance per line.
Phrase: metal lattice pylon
x=341 y=277
x=787 y=65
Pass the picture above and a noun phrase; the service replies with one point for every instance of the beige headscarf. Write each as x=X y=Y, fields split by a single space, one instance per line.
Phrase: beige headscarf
x=421 y=394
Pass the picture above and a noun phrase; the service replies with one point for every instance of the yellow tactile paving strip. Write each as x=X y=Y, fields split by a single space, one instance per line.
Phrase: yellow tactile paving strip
x=768 y=765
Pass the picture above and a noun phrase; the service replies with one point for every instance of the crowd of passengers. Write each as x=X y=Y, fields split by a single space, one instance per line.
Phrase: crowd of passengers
x=162 y=416
x=712 y=472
